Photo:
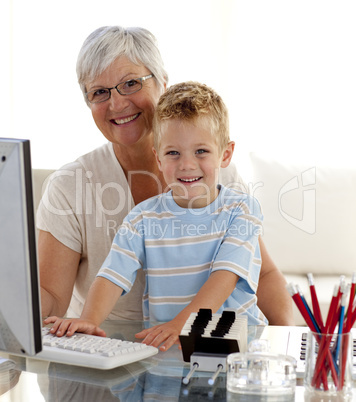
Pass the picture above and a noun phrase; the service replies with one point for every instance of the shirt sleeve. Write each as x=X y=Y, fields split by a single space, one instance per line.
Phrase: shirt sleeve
x=59 y=209
x=126 y=257
x=239 y=251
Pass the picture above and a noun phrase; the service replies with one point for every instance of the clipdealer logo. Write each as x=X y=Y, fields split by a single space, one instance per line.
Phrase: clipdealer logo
x=304 y=182
x=88 y=196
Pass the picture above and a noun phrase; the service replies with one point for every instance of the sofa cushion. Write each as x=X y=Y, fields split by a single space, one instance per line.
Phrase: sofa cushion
x=309 y=215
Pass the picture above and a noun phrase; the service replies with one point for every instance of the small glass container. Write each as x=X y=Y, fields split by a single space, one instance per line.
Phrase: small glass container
x=258 y=372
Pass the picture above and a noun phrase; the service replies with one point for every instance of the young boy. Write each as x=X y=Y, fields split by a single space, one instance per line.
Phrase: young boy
x=198 y=243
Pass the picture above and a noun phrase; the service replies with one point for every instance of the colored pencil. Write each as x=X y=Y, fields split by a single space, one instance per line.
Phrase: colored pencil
x=315 y=302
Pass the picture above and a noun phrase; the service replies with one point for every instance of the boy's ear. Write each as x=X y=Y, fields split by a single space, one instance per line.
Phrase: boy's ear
x=157 y=158
x=227 y=154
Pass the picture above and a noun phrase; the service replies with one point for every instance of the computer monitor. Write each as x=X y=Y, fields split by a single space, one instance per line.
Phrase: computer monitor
x=20 y=314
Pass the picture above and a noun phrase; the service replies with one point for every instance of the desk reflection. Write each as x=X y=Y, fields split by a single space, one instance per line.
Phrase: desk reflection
x=154 y=379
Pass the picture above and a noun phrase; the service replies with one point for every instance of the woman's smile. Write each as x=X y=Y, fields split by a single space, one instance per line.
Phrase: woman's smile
x=125 y=120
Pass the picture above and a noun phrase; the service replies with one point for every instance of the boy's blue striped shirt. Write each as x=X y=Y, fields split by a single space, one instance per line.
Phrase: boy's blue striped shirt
x=178 y=248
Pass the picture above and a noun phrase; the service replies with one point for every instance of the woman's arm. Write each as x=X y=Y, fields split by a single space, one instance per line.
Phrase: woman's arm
x=102 y=296
x=58 y=267
x=273 y=298
x=211 y=295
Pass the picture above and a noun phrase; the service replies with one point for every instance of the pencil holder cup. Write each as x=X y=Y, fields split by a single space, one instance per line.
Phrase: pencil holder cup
x=328 y=369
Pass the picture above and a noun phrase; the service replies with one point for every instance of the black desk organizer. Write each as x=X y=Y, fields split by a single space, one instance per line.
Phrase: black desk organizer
x=207 y=339
x=195 y=342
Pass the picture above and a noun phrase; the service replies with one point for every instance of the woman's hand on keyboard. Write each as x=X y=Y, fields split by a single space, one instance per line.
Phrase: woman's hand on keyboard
x=68 y=326
x=166 y=334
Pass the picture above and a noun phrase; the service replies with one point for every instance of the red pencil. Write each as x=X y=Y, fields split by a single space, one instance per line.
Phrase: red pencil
x=299 y=303
x=348 y=321
x=315 y=302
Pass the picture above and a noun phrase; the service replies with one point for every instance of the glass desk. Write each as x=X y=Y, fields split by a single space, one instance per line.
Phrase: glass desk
x=158 y=378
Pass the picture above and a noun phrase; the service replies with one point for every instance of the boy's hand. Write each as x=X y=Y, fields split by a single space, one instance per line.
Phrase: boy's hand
x=164 y=333
x=67 y=327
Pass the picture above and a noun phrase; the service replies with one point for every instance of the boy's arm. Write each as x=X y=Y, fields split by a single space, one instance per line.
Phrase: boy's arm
x=212 y=295
x=102 y=296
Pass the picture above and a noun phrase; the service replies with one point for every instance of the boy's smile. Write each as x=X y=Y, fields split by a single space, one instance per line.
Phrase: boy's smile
x=190 y=159
x=189 y=180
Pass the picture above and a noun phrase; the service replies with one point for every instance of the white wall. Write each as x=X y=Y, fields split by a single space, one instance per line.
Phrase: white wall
x=286 y=70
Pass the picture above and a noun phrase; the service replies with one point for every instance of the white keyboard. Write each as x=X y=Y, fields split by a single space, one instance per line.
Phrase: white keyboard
x=92 y=351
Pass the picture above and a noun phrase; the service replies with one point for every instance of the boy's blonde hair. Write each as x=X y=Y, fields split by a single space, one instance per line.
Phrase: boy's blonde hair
x=193 y=102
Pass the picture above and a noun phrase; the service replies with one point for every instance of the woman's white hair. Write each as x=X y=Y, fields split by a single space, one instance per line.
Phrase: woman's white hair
x=103 y=46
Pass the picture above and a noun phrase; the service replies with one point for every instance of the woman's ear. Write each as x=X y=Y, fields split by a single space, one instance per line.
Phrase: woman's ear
x=227 y=154
x=157 y=159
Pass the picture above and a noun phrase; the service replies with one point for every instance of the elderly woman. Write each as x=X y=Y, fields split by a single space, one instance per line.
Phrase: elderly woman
x=121 y=74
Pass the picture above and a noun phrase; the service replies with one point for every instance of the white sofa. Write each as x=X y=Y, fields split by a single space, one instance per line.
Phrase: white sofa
x=309 y=220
